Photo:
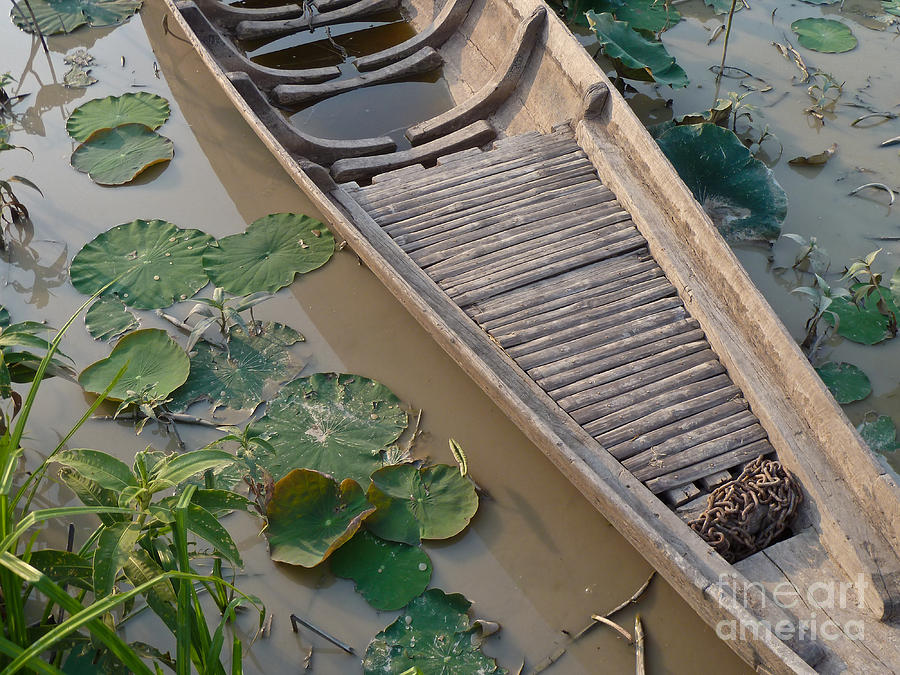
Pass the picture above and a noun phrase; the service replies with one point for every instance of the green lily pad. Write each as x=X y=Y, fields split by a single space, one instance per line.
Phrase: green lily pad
x=434 y=502
x=108 y=318
x=433 y=634
x=117 y=156
x=113 y=111
x=634 y=51
x=649 y=15
x=387 y=574
x=159 y=263
x=335 y=423
x=862 y=323
x=846 y=382
x=723 y=6
x=310 y=516
x=737 y=191
x=254 y=366
x=269 y=254
x=880 y=434
x=891 y=6
x=824 y=35
x=64 y=16
x=156 y=364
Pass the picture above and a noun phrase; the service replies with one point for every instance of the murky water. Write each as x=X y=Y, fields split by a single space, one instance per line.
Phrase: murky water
x=537 y=558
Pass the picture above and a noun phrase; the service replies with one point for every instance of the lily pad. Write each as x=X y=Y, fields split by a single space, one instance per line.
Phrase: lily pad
x=862 y=323
x=310 y=516
x=108 y=318
x=335 y=423
x=156 y=365
x=723 y=6
x=891 y=7
x=634 y=51
x=255 y=364
x=649 y=15
x=117 y=156
x=435 y=502
x=113 y=111
x=387 y=574
x=880 y=434
x=824 y=35
x=153 y=263
x=433 y=634
x=737 y=191
x=269 y=254
x=64 y=16
x=846 y=382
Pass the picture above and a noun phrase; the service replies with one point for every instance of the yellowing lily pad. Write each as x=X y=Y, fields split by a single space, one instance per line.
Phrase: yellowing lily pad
x=117 y=156
x=113 y=111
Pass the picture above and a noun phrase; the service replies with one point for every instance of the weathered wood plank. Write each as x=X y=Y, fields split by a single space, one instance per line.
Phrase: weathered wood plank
x=681 y=495
x=265 y=30
x=695 y=471
x=494 y=92
x=711 y=482
x=423 y=61
x=363 y=167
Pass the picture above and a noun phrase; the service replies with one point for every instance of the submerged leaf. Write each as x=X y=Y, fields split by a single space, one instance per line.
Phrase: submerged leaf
x=246 y=375
x=880 y=434
x=269 y=254
x=723 y=6
x=433 y=634
x=846 y=382
x=737 y=191
x=434 y=502
x=113 y=111
x=64 y=16
x=815 y=160
x=335 y=423
x=156 y=366
x=151 y=263
x=310 y=516
x=863 y=323
x=117 y=156
x=108 y=318
x=824 y=35
x=387 y=574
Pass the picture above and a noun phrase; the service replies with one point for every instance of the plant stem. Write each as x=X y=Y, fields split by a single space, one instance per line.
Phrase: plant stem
x=727 y=34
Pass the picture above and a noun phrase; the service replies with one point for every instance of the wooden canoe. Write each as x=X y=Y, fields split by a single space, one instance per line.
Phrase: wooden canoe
x=538 y=233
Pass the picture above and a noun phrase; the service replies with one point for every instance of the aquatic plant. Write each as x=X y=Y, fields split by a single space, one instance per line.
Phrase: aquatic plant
x=224 y=313
x=108 y=318
x=50 y=17
x=880 y=433
x=824 y=35
x=140 y=107
x=846 y=382
x=822 y=296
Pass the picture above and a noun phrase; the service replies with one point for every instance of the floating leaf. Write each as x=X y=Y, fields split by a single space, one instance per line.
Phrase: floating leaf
x=387 y=574
x=891 y=6
x=64 y=16
x=846 y=382
x=246 y=375
x=824 y=35
x=310 y=516
x=269 y=254
x=335 y=423
x=117 y=156
x=108 y=318
x=634 y=51
x=434 y=634
x=815 y=160
x=880 y=434
x=649 y=15
x=153 y=263
x=113 y=111
x=77 y=76
x=737 y=191
x=723 y=6
x=434 y=502
x=80 y=57
x=863 y=323
x=156 y=364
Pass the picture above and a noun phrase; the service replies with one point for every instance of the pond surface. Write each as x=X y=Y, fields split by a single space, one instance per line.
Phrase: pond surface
x=537 y=558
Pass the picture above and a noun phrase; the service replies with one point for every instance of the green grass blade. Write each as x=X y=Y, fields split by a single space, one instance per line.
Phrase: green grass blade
x=237 y=658
x=183 y=632
x=14 y=650
x=48 y=514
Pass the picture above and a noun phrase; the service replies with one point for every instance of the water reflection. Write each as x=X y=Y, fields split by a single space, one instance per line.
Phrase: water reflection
x=43 y=263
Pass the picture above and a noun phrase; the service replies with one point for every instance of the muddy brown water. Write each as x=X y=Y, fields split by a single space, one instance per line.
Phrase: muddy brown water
x=538 y=557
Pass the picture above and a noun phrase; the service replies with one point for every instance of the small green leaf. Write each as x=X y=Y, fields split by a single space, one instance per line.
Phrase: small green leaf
x=880 y=434
x=64 y=567
x=118 y=156
x=178 y=468
x=108 y=318
x=824 y=35
x=103 y=469
x=113 y=111
x=846 y=382
x=114 y=547
x=91 y=494
x=865 y=323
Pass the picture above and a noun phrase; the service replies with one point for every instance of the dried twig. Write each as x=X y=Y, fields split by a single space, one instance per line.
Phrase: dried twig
x=638 y=646
x=891 y=141
x=318 y=631
x=879 y=186
x=883 y=115
x=616 y=627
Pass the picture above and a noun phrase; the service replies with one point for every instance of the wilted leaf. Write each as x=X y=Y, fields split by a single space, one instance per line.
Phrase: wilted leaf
x=117 y=156
x=434 y=634
x=864 y=323
x=815 y=160
x=151 y=262
x=244 y=376
x=824 y=35
x=114 y=111
x=64 y=16
x=80 y=77
x=880 y=434
x=387 y=574
x=434 y=502
x=156 y=364
x=108 y=318
x=310 y=516
x=846 y=382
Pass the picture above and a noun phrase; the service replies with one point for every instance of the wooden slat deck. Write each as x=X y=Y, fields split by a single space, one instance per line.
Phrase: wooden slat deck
x=528 y=241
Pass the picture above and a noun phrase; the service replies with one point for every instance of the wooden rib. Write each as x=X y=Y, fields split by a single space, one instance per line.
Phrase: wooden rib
x=363 y=167
x=423 y=61
x=655 y=434
x=266 y=30
x=695 y=471
x=671 y=447
x=230 y=59
x=297 y=143
x=228 y=17
x=436 y=34
x=618 y=396
x=487 y=99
